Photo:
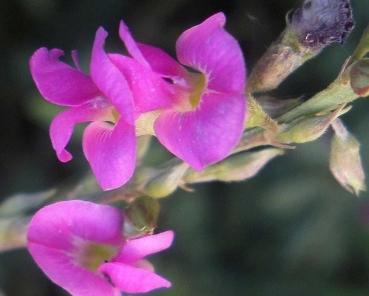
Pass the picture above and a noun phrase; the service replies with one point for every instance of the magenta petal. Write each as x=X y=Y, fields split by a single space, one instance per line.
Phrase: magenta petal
x=111 y=152
x=205 y=135
x=131 y=44
x=162 y=63
x=62 y=126
x=110 y=80
x=55 y=234
x=131 y=279
x=211 y=50
x=139 y=248
x=62 y=270
x=58 y=225
x=149 y=90
x=58 y=82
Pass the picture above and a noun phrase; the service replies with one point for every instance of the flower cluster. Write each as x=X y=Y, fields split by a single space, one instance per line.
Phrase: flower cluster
x=197 y=114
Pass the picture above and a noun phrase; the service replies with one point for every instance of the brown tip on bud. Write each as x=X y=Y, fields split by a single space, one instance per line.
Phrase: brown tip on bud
x=141 y=216
x=345 y=161
x=359 y=77
x=319 y=23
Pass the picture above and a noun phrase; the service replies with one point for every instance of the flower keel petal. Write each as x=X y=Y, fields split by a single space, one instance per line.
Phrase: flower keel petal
x=139 y=248
x=131 y=279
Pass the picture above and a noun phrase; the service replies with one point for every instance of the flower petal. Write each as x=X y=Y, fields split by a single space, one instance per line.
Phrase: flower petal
x=111 y=152
x=61 y=269
x=211 y=50
x=58 y=225
x=110 y=80
x=162 y=63
x=58 y=82
x=131 y=279
x=53 y=237
x=131 y=45
x=62 y=126
x=149 y=90
x=139 y=248
x=206 y=135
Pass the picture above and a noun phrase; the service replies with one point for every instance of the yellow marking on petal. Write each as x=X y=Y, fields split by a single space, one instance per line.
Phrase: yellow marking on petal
x=93 y=255
x=199 y=82
x=115 y=114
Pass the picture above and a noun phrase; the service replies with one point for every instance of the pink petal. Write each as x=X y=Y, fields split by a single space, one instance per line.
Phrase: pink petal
x=162 y=63
x=62 y=270
x=62 y=126
x=139 y=248
x=205 y=135
x=131 y=44
x=111 y=152
x=109 y=79
x=211 y=50
x=58 y=82
x=131 y=279
x=149 y=90
x=59 y=225
x=54 y=235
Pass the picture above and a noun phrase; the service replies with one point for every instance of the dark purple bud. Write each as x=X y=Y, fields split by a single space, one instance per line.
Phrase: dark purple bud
x=319 y=23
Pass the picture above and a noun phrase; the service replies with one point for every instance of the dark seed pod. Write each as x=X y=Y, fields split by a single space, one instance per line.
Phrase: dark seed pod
x=319 y=23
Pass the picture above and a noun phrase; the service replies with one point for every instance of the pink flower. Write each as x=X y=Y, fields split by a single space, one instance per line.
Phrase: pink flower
x=203 y=115
x=80 y=247
x=104 y=98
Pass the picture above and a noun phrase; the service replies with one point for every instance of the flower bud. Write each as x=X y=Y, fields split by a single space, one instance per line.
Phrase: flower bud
x=345 y=161
x=308 y=129
x=238 y=167
x=141 y=216
x=310 y=28
x=163 y=182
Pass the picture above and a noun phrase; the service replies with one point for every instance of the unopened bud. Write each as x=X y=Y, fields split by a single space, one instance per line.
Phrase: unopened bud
x=310 y=28
x=308 y=129
x=163 y=182
x=238 y=167
x=141 y=216
x=345 y=160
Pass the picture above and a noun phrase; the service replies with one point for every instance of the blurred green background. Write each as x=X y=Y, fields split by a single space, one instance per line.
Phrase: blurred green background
x=291 y=230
